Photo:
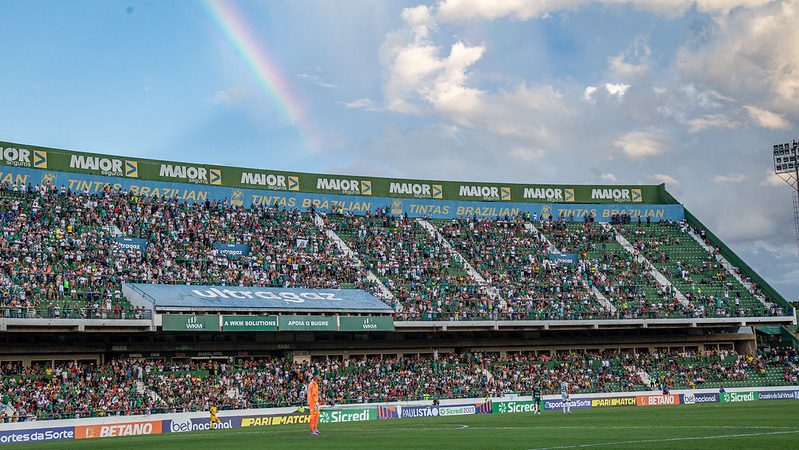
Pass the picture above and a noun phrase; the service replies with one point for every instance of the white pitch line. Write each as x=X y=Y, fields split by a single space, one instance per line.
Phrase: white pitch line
x=650 y=441
x=243 y=431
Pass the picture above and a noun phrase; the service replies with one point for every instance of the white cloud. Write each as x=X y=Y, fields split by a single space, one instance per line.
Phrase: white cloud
x=711 y=121
x=773 y=180
x=364 y=103
x=231 y=97
x=619 y=66
x=751 y=54
x=465 y=10
x=617 y=89
x=539 y=98
x=725 y=6
x=767 y=119
x=663 y=178
x=316 y=80
x=638 y=145
x=611 y=89
x=459 y=10
x=608 y=177
x=635 y=60
x=526 y=154
x=418 y=76
x=731 y=178
x=747 y=227
x=484 y=122
x=589 y=92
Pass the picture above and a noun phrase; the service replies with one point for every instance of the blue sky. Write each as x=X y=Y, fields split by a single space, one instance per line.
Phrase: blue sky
x=690 y=93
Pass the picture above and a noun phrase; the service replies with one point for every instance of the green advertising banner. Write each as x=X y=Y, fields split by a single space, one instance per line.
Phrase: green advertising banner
x=513 y=407
x=184 y=322
x=347 y=415
x=249 y=323
x=307 y=323
x=51 y=159
x=366 y=323
x=736 y=397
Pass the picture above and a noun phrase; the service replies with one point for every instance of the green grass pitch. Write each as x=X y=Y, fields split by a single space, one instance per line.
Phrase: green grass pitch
x=768 y=425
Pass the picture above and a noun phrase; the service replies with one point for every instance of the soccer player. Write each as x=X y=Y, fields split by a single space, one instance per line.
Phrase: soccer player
x=564 y=396
x=214 y=420
x=537 y=398
x=313 y=403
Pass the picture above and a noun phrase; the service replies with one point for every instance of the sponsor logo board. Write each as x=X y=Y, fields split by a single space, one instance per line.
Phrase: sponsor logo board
x=344 y=185
x=736 y=397
x=185 y=322
x=366 y=323
x=416 y=190
x=388 y=412
x=118 y=429
x=410 y=412
x=463 y=410
x=249 y=323
x=347 y=415
x=657 y=400
x=695 y=398
x=186 y=425
x=38 y=435
x=489 y=193
x=274 y=420
x=275 y=182
x=613 y=402
x=576 y=403
x=513 y=407
x=777 y=395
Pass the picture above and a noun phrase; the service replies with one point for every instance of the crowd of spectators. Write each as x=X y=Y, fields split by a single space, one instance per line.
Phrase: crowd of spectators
x=426 y=278
x=510 y=254
x=123 y=387
x=58 y=258
x=711 y=288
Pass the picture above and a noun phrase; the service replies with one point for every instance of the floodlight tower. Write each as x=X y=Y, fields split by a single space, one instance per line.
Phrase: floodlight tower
x=786 y=166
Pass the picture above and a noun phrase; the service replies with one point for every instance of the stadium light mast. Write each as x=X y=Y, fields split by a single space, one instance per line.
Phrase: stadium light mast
x=786 y=166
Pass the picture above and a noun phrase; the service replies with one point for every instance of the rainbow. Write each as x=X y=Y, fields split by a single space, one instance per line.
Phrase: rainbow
x=236 y=31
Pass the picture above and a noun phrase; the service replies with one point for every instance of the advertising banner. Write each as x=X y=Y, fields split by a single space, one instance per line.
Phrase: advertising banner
x=249 y=323
x=121 y=169
x=410 y=412
x=334 y=201
x=131 y=243
x=198 y=424
x=699 y=398
x=347 y=415
x=231 y=251
x=613 y=402
x=307 y=323
x=37 y=435
x=118 y=429
x=514 y=407
x=218 y=298
x=657 y=400
x=388 y=412
x=273 y=420
x=576 y=403
x=778 y=395
x=366 y=323
x=569 y=258
x=186 y=322
x=735 y=397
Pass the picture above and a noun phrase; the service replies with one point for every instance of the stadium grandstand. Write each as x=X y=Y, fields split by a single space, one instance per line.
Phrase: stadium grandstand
x=131 y=286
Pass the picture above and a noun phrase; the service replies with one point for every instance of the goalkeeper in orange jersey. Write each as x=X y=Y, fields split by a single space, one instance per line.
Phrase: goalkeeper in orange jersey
x=313 y=403
x=214 y=420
